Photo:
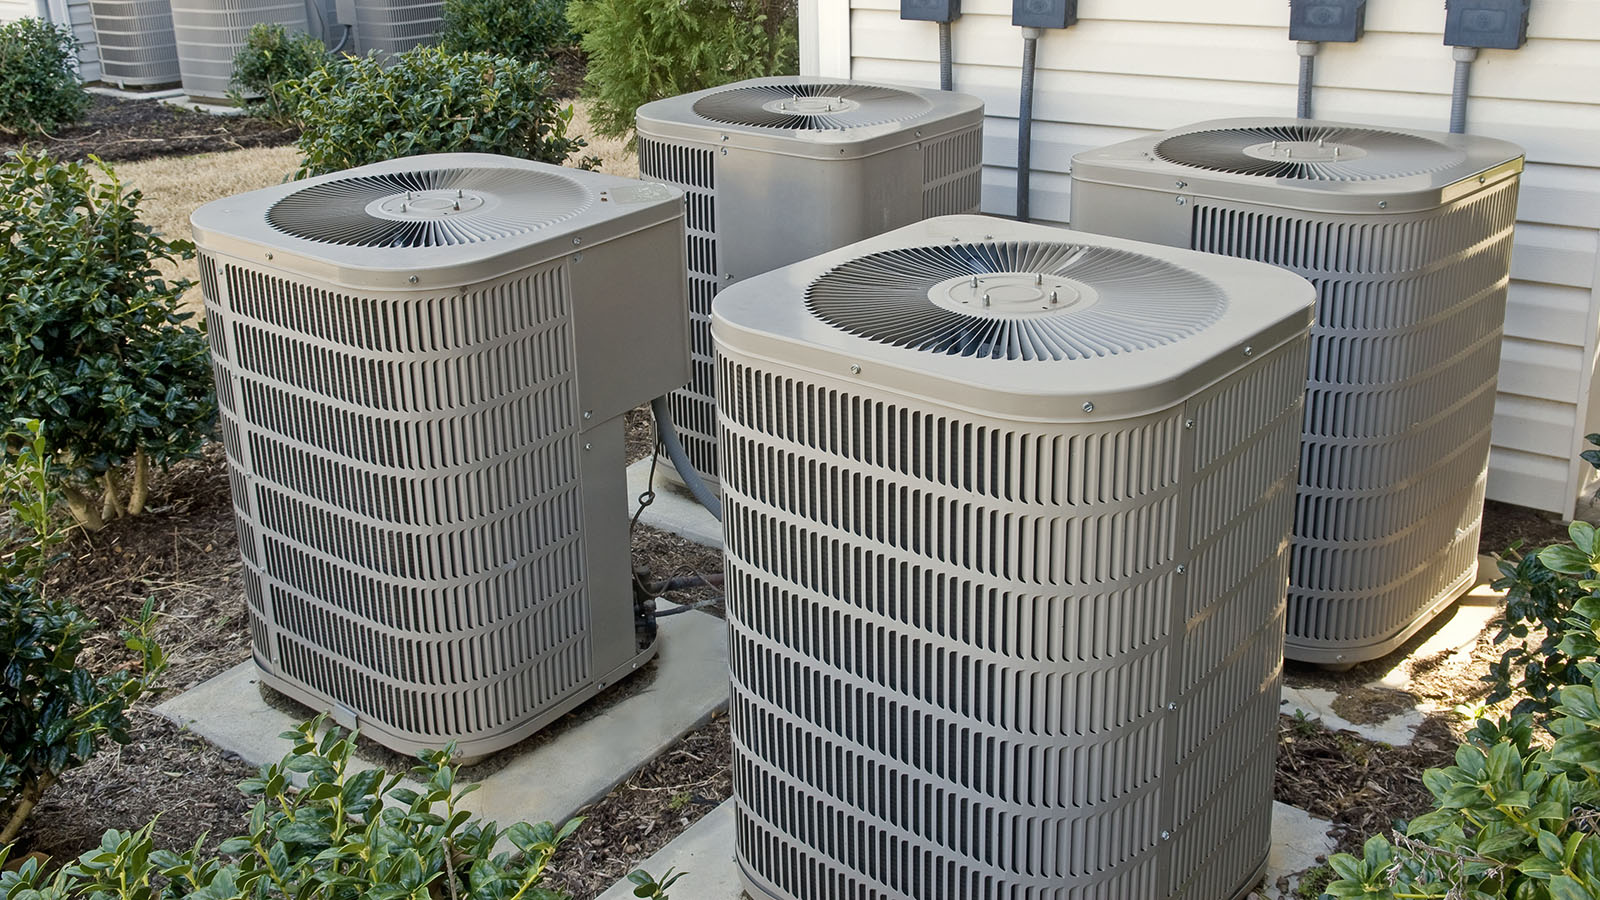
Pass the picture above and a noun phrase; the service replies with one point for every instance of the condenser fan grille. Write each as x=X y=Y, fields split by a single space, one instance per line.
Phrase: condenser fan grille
x=811 y=107
x=1016 y=300
x=1310 y=152
x=433 y=208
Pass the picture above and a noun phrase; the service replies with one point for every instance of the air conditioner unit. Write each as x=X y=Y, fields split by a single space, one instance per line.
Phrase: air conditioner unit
x=422 y=367
x=776 y=170
x=1407 y=236
x=1007 y=510
x=394 y=26
x=210 y=33
x=137 y=47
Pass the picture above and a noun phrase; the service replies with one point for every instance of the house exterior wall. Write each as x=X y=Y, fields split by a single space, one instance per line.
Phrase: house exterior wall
x=73 y=12
x=1134 y=66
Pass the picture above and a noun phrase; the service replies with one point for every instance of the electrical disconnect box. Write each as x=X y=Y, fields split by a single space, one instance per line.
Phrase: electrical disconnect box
x=931 y=10
x=1337 y=21
x=1044 y=13
x=1490 y=24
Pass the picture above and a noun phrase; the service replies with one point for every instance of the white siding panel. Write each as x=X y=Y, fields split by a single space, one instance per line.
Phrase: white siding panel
x=1129 y=68
x=12 y=10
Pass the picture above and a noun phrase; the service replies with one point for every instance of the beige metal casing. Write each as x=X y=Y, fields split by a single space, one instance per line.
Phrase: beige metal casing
x=426 y=445
x=209 y=33
x=1411 y=258
x=135 y=41
x=759 y=197
x=1006 y=617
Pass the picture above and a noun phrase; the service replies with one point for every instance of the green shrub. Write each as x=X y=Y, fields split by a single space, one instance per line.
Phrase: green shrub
x=54 y=713
x=91 y=339
x=39 y=88
x=644 y=50
x=1539 y=597
x=272 y=57
x=343 y=836
x=522 y=29
x=427 y=100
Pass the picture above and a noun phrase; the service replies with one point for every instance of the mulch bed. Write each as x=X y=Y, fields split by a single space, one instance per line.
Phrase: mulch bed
x=120 y=130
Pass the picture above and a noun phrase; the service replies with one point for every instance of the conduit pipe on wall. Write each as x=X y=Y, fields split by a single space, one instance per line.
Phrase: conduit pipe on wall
x=1464 y=57
x=1030 y=48
x=1308 y=73
x=946 y=64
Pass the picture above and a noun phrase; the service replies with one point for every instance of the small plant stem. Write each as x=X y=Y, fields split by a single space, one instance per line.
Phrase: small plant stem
x=112 y=507
x=82 y=509
x=24 y=808
x=140 y=492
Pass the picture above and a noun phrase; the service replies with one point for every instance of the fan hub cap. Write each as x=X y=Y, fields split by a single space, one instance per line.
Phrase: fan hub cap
x=433 y=204
x=1305 y=151
x=811 y=106
x=1006 y=294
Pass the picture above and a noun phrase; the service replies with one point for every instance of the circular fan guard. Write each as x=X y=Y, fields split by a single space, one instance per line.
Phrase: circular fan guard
x=804 y=106
x=501 y=203
x=1269 y=152
x=1142 y=302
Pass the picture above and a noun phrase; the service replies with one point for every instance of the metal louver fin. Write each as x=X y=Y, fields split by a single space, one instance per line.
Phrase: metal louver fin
x=811 y=107
x=434 y=208
x=1309 y=152
x=1016 y=300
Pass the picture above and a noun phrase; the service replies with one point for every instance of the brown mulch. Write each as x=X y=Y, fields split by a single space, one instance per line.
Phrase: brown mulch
x=1363 y=786
x=119 y=130
x=1505 y=524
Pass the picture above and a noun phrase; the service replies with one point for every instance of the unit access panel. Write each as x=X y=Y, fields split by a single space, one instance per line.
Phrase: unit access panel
x=1335 y=21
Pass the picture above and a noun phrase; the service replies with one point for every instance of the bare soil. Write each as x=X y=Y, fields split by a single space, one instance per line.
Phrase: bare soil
x=118 y=130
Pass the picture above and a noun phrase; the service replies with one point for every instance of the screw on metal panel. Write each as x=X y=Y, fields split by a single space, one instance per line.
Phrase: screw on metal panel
x=727 y=276
x=577 y=241
x=724 y=137
x=1336 y=152
x=1183 y=201
x=1383 y=204
x=855 y=370
x=1182 y=185
x=1188 y=423
x=1249 y=350
x=1182 y=568
x=402 y=207
x=841 y=151
x=1172 y=707
x=919 y=132
x=1274 y=145
x=588 y=446
x=1166 y=835
x=1482 y=179
x=724 y=151
x=988 y=237
x=1322 y=142
x=588 y=414
x=269 y=255
x=412 y=279
x=460 y=194
x=577 y=257
x=1088 y=407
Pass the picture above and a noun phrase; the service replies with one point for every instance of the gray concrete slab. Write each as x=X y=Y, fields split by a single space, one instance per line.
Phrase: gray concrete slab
x=120 y=94
x=551 y=775
x=674 y=509
x=705 y=853
x=216 y=109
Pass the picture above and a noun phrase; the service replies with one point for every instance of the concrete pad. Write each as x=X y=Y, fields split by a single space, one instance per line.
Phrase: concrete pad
x=551 y=775
x=120 y=94
x=675 y=510
x=705 y=853
x=1316 y=703
x=216 y=109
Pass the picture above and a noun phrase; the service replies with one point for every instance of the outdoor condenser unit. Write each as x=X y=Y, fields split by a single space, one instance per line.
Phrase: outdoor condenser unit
x=776 y=170
x=422 y=367
x=210 y=33
x=394 y=26
x=1407 y=236
x=136 y=42
x=1007 y=511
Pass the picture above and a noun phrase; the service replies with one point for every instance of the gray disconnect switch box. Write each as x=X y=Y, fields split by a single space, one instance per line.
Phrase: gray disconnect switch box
x=1337 y=21
x=1491 y=24
x=1044 y=13
x=931 y=10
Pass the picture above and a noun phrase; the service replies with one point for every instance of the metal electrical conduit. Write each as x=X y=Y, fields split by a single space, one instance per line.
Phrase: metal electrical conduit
x=1464 y=57
x=1030 y=49
x=1308 y=70
x=946 y=65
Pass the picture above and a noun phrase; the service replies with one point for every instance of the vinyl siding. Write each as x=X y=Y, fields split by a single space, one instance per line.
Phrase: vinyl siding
x=1129 y=68
x=75 y=12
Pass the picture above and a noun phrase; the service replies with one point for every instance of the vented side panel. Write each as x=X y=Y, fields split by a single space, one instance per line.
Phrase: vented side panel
x=136 y=42
x=1404 y=360
x=952 y=174
x=693 y=170
x=209 y=33
x=975 y=661
x=395 y=26
x=407 y=488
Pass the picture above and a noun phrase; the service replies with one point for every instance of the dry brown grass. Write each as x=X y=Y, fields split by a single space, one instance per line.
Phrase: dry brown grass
x=174 y=187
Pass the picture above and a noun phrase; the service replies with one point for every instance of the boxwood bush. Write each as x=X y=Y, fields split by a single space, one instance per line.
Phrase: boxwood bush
x=272 y=59
x=528 y=30
x=92 y=340
x=428 y=100
x=644 y=50
x=39 y=89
